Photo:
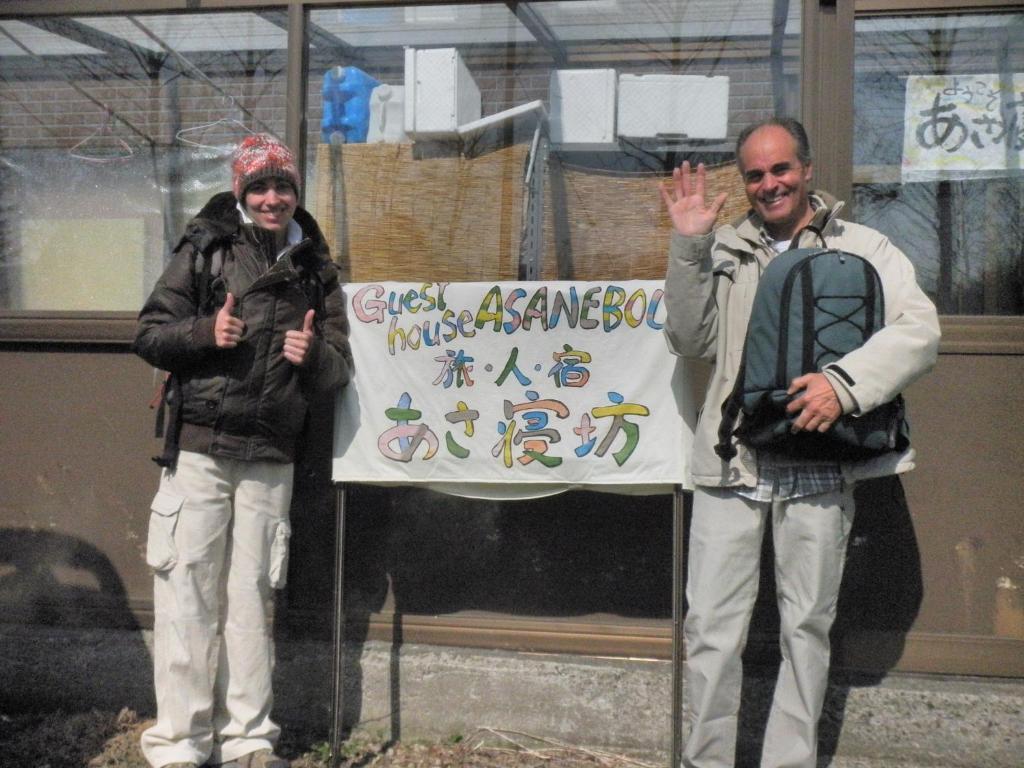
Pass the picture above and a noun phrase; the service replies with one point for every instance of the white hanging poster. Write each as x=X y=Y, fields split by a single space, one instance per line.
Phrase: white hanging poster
x=960 y=127
x=510 y=390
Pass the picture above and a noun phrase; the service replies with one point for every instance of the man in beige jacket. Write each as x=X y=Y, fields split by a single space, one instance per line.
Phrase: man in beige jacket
x=711 y=281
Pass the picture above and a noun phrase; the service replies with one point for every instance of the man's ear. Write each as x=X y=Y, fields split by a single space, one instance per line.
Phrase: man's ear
x=808 y=172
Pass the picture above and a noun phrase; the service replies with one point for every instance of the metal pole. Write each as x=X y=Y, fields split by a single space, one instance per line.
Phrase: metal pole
x=532 y=243
x=678 y=598
x=338 y=692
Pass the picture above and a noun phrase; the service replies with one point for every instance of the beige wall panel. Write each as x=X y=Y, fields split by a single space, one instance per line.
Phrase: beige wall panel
x=75 y=485
x=76 y=481
x=967 y=493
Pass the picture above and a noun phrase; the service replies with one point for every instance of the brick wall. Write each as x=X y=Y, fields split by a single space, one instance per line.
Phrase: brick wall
x=40 y=111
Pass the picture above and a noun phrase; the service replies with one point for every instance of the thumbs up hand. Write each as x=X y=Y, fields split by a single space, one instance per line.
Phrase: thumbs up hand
x=297 y=343
x=227 y=329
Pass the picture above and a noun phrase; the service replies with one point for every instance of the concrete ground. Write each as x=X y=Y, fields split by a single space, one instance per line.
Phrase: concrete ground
x=427 y=692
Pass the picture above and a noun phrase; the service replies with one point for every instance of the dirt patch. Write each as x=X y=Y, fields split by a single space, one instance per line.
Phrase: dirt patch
x=111 y=740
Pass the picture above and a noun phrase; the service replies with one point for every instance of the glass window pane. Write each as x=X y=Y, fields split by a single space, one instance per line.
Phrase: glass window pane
x=114 y=130
x=939 y=130
x=424 y=141
x=403 y=194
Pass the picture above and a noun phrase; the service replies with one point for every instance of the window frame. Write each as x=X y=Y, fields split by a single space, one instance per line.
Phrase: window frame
x=961 y=334
x=827 y=37
x=18 y=326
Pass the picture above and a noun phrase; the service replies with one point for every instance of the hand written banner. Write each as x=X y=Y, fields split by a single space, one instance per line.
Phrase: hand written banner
x=963 y=127
x=515 y=389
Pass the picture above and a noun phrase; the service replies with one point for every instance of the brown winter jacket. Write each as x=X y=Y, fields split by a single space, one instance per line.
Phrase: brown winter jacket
x=248 y=402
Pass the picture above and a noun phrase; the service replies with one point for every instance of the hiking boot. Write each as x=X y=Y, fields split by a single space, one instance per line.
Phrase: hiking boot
x=261 y=758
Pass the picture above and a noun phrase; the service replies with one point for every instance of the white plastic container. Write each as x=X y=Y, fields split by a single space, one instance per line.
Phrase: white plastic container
x=440 y=93
x=387 y=115
x=673 y=107
x=583 y=109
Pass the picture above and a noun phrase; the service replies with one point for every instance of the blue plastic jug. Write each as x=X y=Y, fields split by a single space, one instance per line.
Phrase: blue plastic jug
x=346 y=94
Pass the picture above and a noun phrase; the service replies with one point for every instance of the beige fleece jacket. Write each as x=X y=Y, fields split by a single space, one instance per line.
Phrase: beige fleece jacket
x=709 y=291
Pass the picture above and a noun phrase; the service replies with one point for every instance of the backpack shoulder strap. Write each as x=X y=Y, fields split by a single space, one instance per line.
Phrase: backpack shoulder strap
x=208 y=265
x=314 y=286
x=171 y=398
x=318 y=300
x=207 y=262
x=730 y=411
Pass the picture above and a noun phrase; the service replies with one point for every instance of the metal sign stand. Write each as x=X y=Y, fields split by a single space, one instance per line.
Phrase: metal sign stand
x=678 y=609
x=338 y=631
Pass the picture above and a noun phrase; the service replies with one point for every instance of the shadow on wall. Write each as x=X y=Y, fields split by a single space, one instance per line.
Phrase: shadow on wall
x=879 y=600
x=68 y=586
x=411 y=551
x=882 y=585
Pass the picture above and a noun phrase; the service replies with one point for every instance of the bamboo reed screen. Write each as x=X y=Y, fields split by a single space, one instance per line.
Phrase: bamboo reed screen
x=615 y=226
x=390 y=216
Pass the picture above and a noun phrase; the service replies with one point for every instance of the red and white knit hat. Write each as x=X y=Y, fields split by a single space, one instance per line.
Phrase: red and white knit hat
x=261 y=156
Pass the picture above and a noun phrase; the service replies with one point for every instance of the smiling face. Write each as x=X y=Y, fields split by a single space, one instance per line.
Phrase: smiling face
x=776 y=181
x=271 y=204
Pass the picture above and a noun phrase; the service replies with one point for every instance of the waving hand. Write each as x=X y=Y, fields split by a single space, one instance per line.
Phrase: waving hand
x=686 y=204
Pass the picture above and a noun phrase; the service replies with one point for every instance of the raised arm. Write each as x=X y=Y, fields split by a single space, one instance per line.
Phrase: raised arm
x=692 y=323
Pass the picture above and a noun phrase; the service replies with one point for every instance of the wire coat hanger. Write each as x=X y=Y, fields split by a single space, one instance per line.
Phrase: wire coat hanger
x=194 y=136
x=119 y=149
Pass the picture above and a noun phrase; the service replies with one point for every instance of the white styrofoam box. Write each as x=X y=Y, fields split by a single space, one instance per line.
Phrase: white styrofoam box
x=673 y=106
x=465 y=16
x=387 y=115
x=583 y=108
x=440 y=93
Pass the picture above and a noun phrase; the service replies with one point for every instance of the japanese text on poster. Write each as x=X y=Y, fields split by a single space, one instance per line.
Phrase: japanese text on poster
x=963 y=127
x=508 y=384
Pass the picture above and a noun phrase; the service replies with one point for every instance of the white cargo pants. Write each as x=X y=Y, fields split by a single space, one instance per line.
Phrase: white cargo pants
x=218 y=539
x=810 y=535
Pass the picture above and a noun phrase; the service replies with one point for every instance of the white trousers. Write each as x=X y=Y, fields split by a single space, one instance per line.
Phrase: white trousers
x=218 y=539
x=810 y=535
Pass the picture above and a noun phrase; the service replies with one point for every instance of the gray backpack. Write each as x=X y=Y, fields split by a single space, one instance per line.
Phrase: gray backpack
x=812 y=306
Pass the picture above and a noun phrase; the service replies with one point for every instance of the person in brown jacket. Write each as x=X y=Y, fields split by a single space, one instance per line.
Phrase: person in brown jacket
x=249 y=321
